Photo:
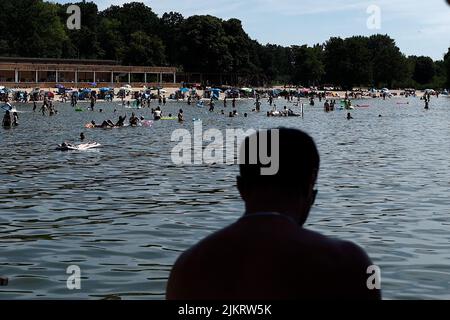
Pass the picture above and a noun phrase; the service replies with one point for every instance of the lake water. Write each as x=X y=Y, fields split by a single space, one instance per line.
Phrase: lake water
x=123 y=213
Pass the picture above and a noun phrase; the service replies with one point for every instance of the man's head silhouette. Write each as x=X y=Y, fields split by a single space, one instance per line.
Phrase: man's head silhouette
x=291 y=190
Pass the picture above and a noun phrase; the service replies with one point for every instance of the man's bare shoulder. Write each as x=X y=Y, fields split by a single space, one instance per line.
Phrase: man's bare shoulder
x=236 y=237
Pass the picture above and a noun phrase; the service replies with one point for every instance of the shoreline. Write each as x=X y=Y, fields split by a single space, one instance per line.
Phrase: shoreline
x=169 y=91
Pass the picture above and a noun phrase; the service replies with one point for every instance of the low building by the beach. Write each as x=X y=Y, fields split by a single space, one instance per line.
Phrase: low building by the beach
x=37 y=72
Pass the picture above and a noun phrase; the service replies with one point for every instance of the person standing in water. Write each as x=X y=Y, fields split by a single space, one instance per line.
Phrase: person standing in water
x=258 y=105
x=92 y=102
x=157 y=114
x=349 y=116
x=180 y=116
x=234 y=103
x=43 y=109
x=6 y=123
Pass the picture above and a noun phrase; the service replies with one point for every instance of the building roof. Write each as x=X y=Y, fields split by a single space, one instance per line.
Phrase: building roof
x=49 y=64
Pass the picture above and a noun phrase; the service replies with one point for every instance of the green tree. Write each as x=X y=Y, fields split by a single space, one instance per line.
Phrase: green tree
x=308 y=65
x=84 y=43
x=111 y=39
x=335 y=61
x=144 y=50
x=133 y=16
x=388 y=63
x=171 y=34
x=447 y=67
x=31 y=28
x=424 y=70
x=359 y=64
x=204 y=46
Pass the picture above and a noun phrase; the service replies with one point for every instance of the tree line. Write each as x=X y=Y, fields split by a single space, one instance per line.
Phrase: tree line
x=134 y=35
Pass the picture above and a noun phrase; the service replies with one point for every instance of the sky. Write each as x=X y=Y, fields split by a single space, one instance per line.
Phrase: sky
x=419 y=27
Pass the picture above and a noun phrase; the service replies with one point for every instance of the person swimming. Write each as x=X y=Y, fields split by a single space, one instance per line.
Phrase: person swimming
x=82 y=137
x=349 y=116
x=105 y=124
x=121 y=121
x=15 y=119
x=134 y=121
x=157 y=114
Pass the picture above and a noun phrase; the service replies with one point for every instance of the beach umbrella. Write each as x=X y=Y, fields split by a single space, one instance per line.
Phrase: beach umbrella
x=104 y=89
x=248 y=90
x=184 y=90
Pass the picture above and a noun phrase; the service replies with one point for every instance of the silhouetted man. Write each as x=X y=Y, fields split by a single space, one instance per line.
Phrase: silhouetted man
x=267 y=254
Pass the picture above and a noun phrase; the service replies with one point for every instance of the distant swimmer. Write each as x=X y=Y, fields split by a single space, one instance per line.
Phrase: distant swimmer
x=121 y=121
x=15 y=119
x=349 y=116
x=180 y=116
x=258 y=106
x=92 y=102
x=134 y=121
x=157 y=114
x=105 y=125
x=82 y=137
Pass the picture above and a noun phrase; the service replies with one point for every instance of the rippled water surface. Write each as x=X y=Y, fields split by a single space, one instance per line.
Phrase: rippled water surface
x=123 y=213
